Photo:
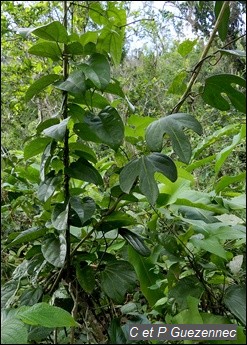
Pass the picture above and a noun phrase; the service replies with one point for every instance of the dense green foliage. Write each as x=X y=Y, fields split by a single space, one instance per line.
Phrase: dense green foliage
x=123 y=175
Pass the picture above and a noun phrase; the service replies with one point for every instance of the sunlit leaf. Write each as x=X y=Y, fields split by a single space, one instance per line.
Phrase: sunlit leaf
x=46 y=49
x=40 y=85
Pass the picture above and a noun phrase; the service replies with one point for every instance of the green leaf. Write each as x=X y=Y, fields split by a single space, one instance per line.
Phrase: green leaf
x=75 y=84
x=217 y=86
x=233 y=52
x=185 y=287
x=136 y=128
x=178 y=85
x=46 y=158
x=235 y=300
x=211 y=245
x=48 y=186
x=40 y=85
x=116 y=333
x=106 y=127
x=31 y=296
x=136 y=241
x=84 y=208
x=54 y=251
x=13 y=331
x=115 y=89
x=60 y=216
x=45 y=124
x=144 y=268
x=111 y=41
x=224 y=23
x=8 y=292
x=173 y=126
x=54 y=31
x=86 y=277
x=145 y=167
x=83 y=170
x=116 y=220
x=92 y=100
x=117 y=279
x=46 y=49
x=83 y=151
x=57 y=132
x=46 y=315
x=27 y=236
x=186 y=47
x=35 y=147
x=101 y=68
x=223 y=154
x=226 y=181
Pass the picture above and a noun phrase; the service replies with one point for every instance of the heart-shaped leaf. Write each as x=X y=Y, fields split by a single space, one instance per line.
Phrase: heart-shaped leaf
x=220 y=84
x=74 y=84
x=117 y=278
x=60 y=216
x=54 y=249
x=173 y=125
x=84 y=208
x=83 y=170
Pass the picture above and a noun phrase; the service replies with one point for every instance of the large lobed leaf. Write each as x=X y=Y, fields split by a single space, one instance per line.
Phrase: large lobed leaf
x=145 y=167
x=173 y=126
x=217 y=86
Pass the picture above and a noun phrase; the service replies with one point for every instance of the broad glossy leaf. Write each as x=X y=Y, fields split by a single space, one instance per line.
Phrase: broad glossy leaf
x=144 y=268
x=84 y=208
x=106 y=127
x=224 y=23
x=59 y=217
x=217 y=86
x=83 y=170
x=136 y=241
x=135 y=127
x=89 y=36
x=75 y=84
x=54 y=250
x=97 y=13
x=35 y=147
x=129 y=174
x=186 y=47
x=46 y=315
x=83 y=151
x=54 y=31
x=28 y=235
x=45 y=124
x=117 y=279
x=57 y=132
x=235 y=300
x=46 y=49
x=173 y=125
x=40 y=85
x=114 y=88
x=13 y=331
x=101 y=67
x=116 y=333
x=92 y=100
x=48 y=186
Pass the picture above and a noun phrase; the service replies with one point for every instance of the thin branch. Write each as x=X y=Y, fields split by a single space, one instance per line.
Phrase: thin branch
x=200 y=63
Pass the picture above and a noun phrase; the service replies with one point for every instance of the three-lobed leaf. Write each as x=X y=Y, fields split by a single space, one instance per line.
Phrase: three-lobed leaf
x=173 y=126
